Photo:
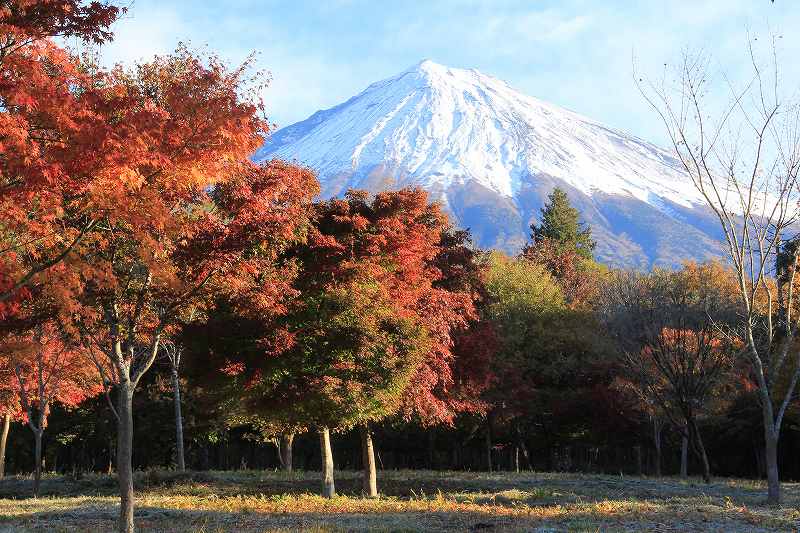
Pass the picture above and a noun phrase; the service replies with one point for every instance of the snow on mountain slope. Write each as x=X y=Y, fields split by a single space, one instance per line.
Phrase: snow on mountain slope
x=491 y=154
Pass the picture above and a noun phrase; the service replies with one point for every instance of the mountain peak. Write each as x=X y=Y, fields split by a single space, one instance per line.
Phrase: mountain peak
x=432 y=73
x=427 y=64
x=443 y=125
x=448 y=130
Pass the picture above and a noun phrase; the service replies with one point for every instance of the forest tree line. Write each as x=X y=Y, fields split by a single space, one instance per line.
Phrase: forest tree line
x=165 y=300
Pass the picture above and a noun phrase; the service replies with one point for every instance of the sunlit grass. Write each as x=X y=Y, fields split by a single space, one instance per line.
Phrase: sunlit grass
x=412 y=501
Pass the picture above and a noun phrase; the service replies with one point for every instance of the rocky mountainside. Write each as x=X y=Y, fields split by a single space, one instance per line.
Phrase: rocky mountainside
x=491 y=155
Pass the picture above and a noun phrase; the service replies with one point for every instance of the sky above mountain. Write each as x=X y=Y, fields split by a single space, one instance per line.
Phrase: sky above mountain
x=574 y=53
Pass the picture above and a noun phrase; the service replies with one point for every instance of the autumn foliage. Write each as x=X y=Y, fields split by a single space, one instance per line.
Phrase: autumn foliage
x=52 y=117
x=132 y=216
x=370 y=319
x=48 y=368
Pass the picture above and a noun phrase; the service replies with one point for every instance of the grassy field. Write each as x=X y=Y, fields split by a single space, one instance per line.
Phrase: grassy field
x=251 y=501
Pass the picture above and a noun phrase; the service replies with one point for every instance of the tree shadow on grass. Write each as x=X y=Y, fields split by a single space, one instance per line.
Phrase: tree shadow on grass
x=160 y=519
x=399 y=484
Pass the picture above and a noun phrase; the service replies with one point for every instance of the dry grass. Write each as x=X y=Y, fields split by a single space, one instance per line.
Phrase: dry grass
x=251 y=501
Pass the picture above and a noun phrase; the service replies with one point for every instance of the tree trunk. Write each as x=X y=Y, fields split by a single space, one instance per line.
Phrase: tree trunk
x=125 y=455
x=285 y=451
x=370 y=481
x=700 y=450
x=527 y=456
x=758 y=454
x=111 y=453
x=773 y=476
x=516 y=459
x=637 y=451
x=488 y=445
x=328 y=487
x=431 y=449
x=37 y=458
x=684 y=456
x=176 y=389
x=523 y=447
x=205 y=459
x=3 y=442
x=657 y=440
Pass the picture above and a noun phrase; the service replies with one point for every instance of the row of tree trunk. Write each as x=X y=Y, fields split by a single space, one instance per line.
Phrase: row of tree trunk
x=369 y=486
x=689 y=438
x=369 y=482
x=285 y=442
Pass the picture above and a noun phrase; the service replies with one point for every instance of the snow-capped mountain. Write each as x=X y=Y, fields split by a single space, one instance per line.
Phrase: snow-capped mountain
x=491 y=155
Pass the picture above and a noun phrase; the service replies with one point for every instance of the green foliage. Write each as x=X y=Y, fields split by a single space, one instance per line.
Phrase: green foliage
x=519 y=290
x=524 y=301
x=351 y=359
x=561 y=225
x=549 y=353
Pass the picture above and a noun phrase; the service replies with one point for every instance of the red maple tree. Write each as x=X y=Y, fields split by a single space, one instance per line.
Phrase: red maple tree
x=47 y=368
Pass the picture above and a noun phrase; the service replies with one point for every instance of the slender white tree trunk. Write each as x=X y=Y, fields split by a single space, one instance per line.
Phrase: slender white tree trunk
x=176 y=389
x=125 y=455
x=370 y=481
x=3 y=442
x=328 y=487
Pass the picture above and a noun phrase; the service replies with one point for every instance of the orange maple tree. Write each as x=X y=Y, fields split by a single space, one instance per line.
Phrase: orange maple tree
x=163 y=242
x=107 y=186
x=48 y=124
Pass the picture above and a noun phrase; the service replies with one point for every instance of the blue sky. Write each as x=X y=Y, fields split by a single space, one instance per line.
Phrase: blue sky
x=574 y=53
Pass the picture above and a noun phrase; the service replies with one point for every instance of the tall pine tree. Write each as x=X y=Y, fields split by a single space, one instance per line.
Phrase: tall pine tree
x=561 y=226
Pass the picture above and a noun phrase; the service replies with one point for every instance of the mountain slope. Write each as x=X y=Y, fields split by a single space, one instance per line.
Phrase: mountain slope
x=492 y=154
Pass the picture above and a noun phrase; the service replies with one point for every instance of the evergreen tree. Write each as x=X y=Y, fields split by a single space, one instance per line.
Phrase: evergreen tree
x=560 y=225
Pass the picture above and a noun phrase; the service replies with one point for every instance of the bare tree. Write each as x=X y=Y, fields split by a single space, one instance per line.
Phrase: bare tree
x=679 y=371
x=744 y=159
x=674 y=357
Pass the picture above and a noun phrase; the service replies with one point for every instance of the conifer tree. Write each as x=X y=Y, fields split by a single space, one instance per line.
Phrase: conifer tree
x=561 y=226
